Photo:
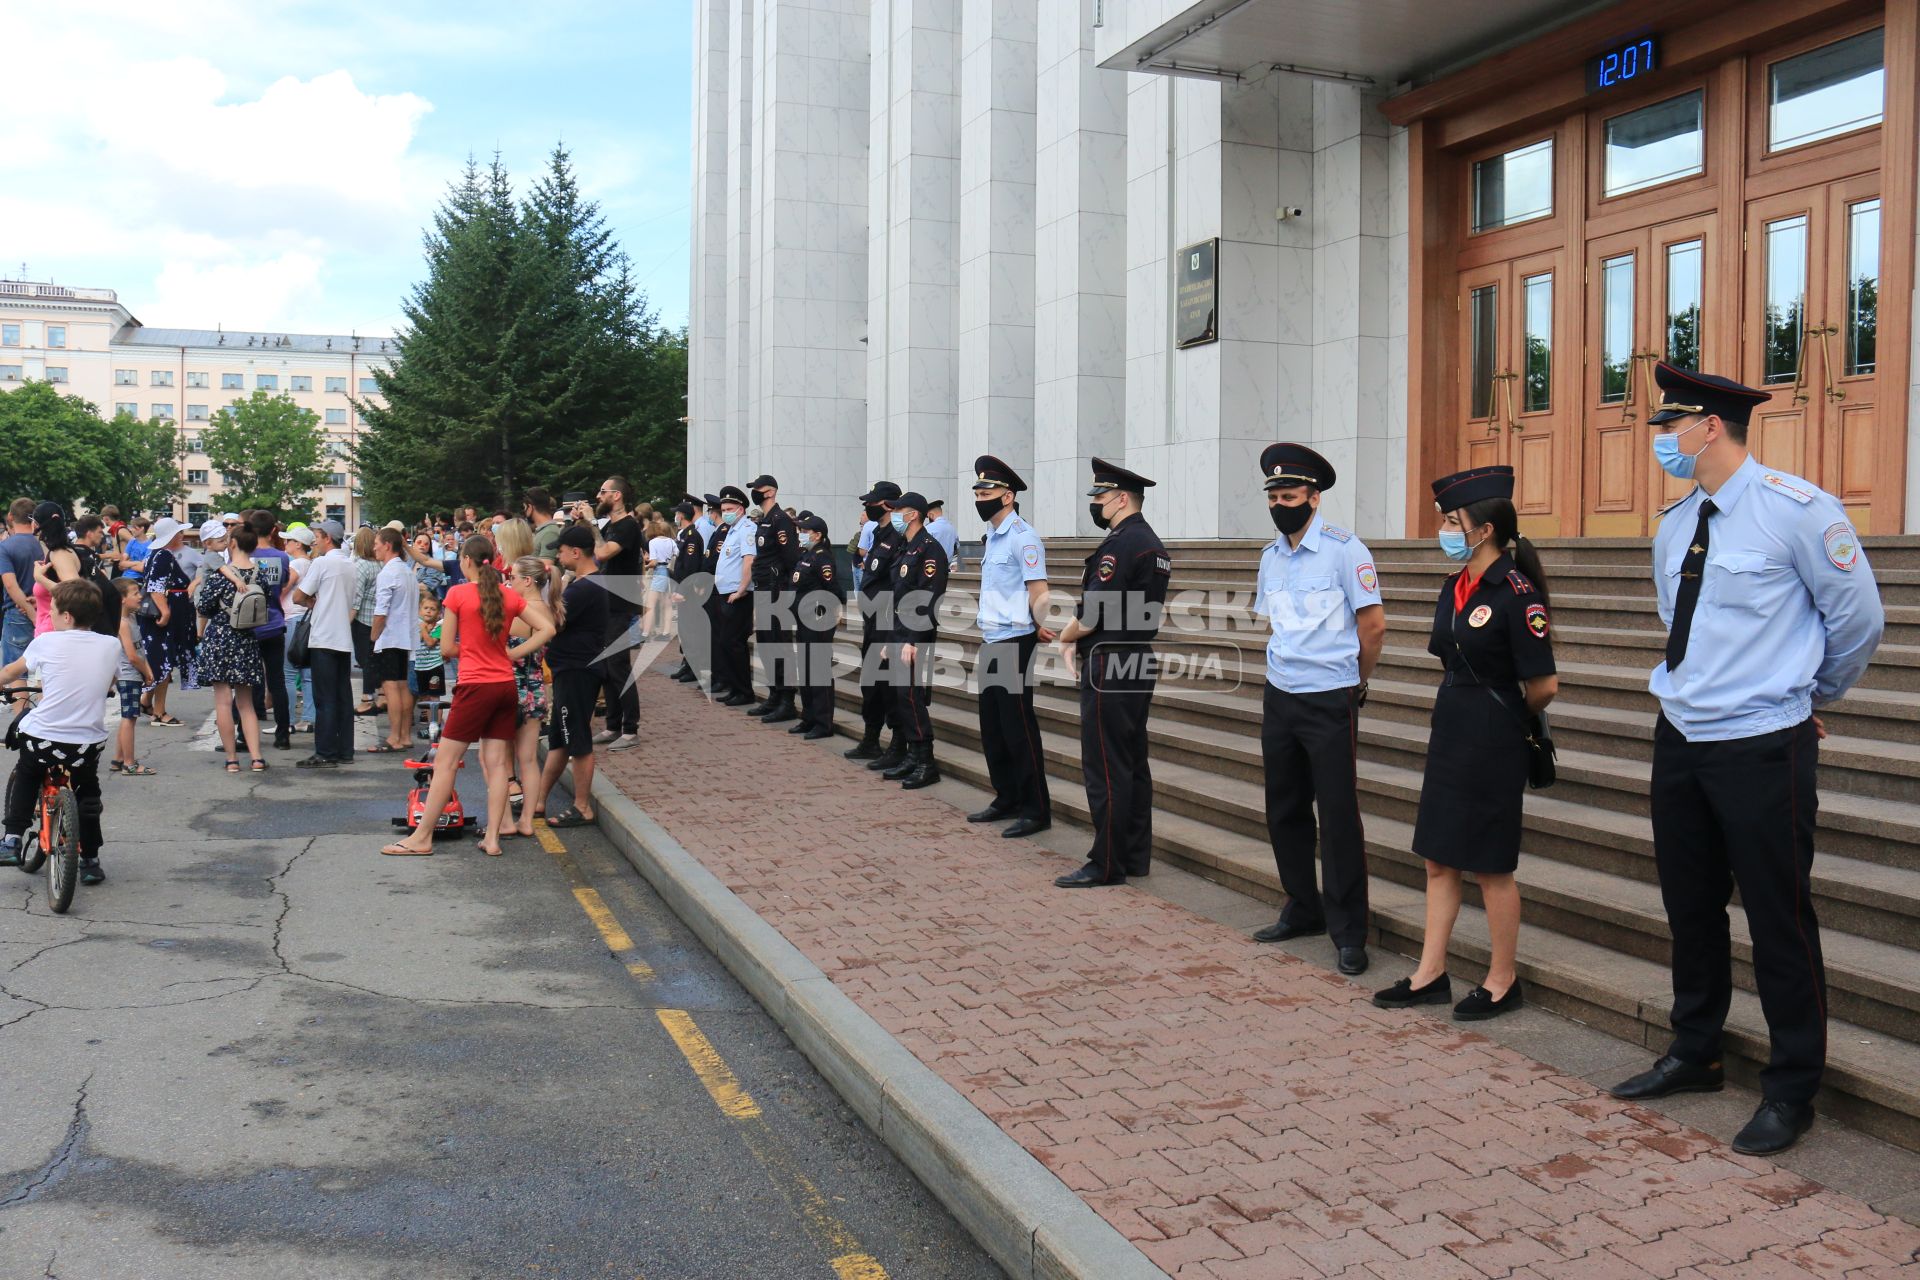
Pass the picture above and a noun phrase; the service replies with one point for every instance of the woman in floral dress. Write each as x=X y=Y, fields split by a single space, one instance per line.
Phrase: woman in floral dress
x=230 y=659
x=537 y=583
x=167 y=636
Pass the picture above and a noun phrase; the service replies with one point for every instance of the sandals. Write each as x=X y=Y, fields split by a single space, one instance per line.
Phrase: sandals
x=233 y=765
x=381 y=749
x=400 y=849
x=570 y=818
x=167 y=722
x=113 y=767
x=136 y=771
x=258 y=766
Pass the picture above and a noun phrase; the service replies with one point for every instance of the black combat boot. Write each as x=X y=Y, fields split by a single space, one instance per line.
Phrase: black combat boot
x=890 y=758
x=869 y=747
x=925 y=771
x=909 y=761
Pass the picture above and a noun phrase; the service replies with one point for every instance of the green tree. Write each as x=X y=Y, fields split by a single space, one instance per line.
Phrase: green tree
x=143 y=465
x=270 y=454
x=56 y=446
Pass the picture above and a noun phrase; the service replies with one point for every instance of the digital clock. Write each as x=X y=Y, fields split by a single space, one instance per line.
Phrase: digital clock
x=1623 y=65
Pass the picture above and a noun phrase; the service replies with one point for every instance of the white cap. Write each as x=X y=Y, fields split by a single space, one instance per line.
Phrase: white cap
x=231 y=517
x=212 y=529
x=165 y=530
x=394 y=524
x=302 y=535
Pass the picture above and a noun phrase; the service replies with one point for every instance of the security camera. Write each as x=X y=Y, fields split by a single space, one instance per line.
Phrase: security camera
x=1286 y=211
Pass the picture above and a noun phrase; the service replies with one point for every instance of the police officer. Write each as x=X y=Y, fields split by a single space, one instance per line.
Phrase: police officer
x=732 y=589
x=943 y=531
x=1013 y=598
x=876 y=596
x=819 y=595
x=1771 y=611
x=1109 y=647
x=715 y=537
x=776 y=549
x=1319 y=588
x=919 y=580
x=689 y=587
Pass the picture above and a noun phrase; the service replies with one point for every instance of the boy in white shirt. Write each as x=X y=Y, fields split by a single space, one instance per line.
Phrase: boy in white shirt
x=76 y=669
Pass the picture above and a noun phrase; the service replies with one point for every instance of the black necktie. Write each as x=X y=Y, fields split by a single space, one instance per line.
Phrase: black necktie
x=1691 y=568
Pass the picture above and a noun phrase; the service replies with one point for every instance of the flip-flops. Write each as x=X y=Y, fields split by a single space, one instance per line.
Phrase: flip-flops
x=381 y=749
x=398 y=850
x=570 y=818
x=136 y=771
x=167 y=722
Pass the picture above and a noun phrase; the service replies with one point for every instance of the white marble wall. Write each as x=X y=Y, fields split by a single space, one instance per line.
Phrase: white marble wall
x=707 y=323
x=998 y=86
x=740 y=240
x=1080 y=314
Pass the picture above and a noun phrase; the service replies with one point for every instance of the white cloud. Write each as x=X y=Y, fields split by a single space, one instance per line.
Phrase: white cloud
x=234 y=293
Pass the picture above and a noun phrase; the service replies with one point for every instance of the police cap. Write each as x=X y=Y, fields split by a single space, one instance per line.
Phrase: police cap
x=1475 y=484
x=732 y=493
x=883 y=491
x=908 y=501
x=1108 y=476
x=991 y=473
x=1685 y=391
x=763 y=481
x=1284 y=465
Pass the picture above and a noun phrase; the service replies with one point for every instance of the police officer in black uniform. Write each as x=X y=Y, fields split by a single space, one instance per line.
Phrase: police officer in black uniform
x=1109 y=646
x=919 y=580
x=689 y=553
x=876 y=596
x=710 y=606
x=733 y=595
x=820 y=594
x=776 y=549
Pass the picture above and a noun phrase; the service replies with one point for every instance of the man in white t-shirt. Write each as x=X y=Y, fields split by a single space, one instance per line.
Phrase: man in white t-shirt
x=76 y=668
x=396 y=616
x=328 y=589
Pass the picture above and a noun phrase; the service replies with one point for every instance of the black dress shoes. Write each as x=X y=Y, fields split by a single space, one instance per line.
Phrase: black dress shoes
x=1480 y=1004
x=1774 y=1127
x=1353 y=961
x=799 y=726
x=762 y=708
x=1281 y=931
x=781 y=713
x=736 y=700
x=992 y=813
x=1403 y=994
x=1670 y=1075
x=1025 y=827
x=815 y=731
x=1087 y=877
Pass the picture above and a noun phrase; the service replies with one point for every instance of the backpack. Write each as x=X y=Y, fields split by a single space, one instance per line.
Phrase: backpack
x=93 y=569
x=248 y=608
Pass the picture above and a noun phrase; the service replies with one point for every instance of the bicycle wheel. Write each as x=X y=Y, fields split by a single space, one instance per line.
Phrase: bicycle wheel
x=63 y=868
x=31 y=855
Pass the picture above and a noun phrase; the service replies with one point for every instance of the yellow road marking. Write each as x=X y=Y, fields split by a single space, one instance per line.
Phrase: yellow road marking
x=616 y=937
x=641 y=970
x=544 y=834
x=709 y=1066
x=858 y=1266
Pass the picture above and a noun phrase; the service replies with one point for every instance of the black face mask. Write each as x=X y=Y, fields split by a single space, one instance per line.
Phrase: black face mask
x=875 y=511
x=988 y=507
x=1291 y=520
x=1099 y=517
x=759 y=497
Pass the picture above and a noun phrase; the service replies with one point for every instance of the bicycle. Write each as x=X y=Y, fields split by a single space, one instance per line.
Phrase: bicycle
x=54 y=841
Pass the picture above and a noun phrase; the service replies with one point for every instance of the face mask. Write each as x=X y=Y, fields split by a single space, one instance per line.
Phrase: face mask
x=899 y=521
x=1453 y=544
x=1099 y=516
x=729 y=517
x=1667 y=452
x=875 y=511
x=1291 y=520
x=988 y=508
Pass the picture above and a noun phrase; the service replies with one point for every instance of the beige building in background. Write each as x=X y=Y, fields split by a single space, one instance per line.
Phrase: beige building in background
x=87 y=343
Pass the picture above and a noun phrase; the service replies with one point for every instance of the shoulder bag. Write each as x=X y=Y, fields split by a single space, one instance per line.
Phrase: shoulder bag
x=1542 y=769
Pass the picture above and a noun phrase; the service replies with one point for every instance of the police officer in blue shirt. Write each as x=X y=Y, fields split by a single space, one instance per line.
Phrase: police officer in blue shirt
x=1771 y=611
x=1319 y=588
x=943 y=531
x=1013 y=598
x=733 y=589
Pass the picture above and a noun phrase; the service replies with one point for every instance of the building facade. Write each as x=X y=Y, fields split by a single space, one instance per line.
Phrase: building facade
x=87 y=343
x=1417 y=234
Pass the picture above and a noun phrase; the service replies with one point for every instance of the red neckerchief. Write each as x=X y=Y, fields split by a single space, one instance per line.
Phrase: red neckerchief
x=1463 y=587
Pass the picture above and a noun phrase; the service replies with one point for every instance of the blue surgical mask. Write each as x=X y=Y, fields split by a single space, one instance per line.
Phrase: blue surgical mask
x=1672 y=459
x=1453 y=544
x=899 y=521
x=729 y=517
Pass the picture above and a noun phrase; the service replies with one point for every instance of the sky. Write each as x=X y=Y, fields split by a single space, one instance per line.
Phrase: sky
x=271 y=164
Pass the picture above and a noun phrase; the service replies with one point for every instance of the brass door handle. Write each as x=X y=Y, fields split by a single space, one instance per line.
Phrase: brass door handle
x=1506 y=379
x=1827 y=331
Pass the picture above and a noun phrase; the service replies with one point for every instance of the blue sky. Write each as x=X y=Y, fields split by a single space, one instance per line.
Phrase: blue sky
x=270 y=165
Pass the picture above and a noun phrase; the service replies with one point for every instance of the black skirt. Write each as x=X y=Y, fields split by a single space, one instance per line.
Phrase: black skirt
x=1475 y=780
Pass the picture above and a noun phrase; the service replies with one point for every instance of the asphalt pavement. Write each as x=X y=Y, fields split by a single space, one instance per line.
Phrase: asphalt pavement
x=262 y=1050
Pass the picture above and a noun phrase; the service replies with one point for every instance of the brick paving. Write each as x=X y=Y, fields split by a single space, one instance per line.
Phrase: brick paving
x=1236 y=1112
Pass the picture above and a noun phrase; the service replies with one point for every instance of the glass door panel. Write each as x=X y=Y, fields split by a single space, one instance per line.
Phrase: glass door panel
x=1484 y=398
x=1785 y=244
x=1685 y=288
x=1846 y=389
x=1535 y=437
x=1618 y=328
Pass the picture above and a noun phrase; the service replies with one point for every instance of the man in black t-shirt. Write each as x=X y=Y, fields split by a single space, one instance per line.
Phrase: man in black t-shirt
x=618 y=557
x=576 y=679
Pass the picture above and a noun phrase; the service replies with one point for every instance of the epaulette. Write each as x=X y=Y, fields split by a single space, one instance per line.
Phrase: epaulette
x=1335 y=532
x=1676 y=502
x=1522 y=585
x=1788 y=486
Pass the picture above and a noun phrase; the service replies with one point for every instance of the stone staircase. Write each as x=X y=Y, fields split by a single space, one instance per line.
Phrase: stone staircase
x=1594 y=939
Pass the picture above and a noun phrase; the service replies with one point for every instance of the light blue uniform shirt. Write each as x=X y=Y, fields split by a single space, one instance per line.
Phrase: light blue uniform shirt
x=1788 y=616
x=1014 y=556
x=736 y=548
x=948 y=537
x=706 y=527
x=1311 y=593
x=867 y=531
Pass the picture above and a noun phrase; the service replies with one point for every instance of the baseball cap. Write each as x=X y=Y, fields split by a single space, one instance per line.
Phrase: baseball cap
x=212 y=529
x=301 y=535
x=333 y=529
x=579 y=537
x=231 y=517
x=394 y=524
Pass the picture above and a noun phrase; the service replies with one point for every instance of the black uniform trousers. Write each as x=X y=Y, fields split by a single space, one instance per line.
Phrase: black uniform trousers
x=912 y=688
x=732 y=665
x=1741 y=813
x=1308 y=743
x=773 y=636
x=696 y=629
x=1009 y=730
x=1116 y=693
x=876 y=693
x=815 y=676
x=623 y=699
x=709 y=662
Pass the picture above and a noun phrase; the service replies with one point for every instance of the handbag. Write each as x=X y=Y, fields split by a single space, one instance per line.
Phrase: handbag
x=1542 y=768
x=297 y=654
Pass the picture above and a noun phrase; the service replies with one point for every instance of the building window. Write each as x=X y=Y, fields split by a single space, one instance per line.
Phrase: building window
x=337 y=511
x=10 y=373
x=56 y=373
x=163 y=412
x=197 y=512
x=228 y=480
x=336 y=417
x=126 y=377
x=1656 y=144
x=1536 y=299
x=126 y=407
x=1835 y=89
x=368 y=387
x=197 y=380
x=1785 y=297
x=267 y=381
x=339 y=449
x=1863 y=285
x=1486 y=323
x=338 y=479
x=193 y=444
x=160 y=378
x=9 y=335
x=233 y=382
x=196 y=413
x=336 y=386
x=300 y=382
x=1515 y=187
x=1686 y=295
x=1616 y=328
x=56 y=335
x=197 y=475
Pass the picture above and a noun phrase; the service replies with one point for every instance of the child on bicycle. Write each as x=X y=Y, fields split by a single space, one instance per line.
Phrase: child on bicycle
x=76 y=667
x=133 y=678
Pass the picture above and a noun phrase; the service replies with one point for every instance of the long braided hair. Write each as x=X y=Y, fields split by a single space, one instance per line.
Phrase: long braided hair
x=535 y=570
x=478 y=551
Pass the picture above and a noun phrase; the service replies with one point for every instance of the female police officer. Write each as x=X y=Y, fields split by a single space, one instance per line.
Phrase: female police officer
x=1490 y=632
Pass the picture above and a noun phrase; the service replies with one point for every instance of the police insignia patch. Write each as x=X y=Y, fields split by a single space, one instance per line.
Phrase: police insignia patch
x=1105 y=571
x=1032 y=556
x=1537 y=620
x=796 y=575
x=782 y=535
x=826 y=573
x=929 y=568
x=1843 y=548
x=1478 y=618
x=1368 y=582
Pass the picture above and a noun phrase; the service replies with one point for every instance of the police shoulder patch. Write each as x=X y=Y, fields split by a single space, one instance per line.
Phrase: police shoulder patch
x=1031 y=554
x=826 y=573
x=1843 y=545
x=1522 y=585
x=1335 y=532
x=796 y=575
x=1369 y=582
x=782 y=535
x=1537 y=620
x=1788 y=486
x=903 y=570
x=1105 y=570
x=929 y=567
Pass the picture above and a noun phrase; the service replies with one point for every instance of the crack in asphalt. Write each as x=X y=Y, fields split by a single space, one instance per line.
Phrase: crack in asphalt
x=55 y=1166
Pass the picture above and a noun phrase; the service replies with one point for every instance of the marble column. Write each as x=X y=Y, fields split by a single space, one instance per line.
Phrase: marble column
x=732 y=445
x=707 y=320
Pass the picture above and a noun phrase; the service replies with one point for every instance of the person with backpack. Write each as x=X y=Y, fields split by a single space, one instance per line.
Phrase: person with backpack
x=234 y=605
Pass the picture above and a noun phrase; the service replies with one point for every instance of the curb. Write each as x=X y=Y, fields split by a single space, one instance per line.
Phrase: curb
x=1032 y=1223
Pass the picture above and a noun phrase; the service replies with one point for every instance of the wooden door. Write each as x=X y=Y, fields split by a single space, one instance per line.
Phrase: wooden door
x=1484 y=305
x=1614 y=384
x=1686 y=315
x=1850 y=289
x=1514 y=382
